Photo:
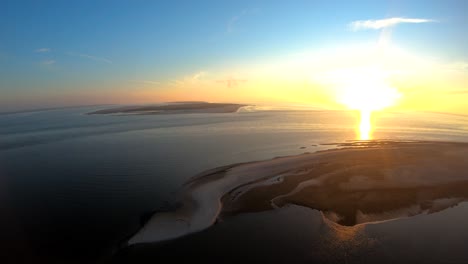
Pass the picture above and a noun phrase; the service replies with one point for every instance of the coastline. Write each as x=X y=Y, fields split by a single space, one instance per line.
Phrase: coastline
x=410 y=177
x=172 y=108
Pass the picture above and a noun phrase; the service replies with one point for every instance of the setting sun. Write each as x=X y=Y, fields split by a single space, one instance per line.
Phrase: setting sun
x=171 y=131
x=365 y=90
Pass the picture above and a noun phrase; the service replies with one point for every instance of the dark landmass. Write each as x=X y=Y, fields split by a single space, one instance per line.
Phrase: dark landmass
x=362 y=182
x=32 y=110
x=366 y=182
x=260 y=212
x=189 y=102
x=173 y=108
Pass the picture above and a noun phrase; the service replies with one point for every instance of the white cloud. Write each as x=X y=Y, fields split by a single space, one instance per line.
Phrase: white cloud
x=198 y=75
x=194 y=78
x=42 y=50
x=48 y=62
x=231 y=25
x=383 y=23
x=94 y=58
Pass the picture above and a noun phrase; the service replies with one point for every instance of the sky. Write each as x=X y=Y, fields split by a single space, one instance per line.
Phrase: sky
x=403 y=55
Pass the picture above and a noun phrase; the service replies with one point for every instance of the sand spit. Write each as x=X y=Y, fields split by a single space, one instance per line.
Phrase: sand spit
x=357 y=184
x=172 y=108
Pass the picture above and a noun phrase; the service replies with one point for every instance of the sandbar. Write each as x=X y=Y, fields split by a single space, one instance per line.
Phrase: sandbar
x=353 y=184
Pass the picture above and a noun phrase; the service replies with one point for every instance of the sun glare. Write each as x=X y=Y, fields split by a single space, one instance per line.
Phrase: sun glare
x=366 y=90
x=365 y=126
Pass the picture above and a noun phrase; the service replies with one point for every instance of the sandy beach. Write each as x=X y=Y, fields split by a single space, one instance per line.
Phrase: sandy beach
x=357 y=183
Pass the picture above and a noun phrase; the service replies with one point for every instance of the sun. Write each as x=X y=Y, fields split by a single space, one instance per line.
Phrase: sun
x=366 y=90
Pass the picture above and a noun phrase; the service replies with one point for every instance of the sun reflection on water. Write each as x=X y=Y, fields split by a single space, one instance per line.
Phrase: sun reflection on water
x=365 y=125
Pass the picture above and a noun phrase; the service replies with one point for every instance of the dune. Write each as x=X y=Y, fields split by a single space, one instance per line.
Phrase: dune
x=357 y=183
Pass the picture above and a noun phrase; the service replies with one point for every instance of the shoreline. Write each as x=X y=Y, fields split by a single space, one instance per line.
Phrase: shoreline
x=173 y=108
x=378 y=182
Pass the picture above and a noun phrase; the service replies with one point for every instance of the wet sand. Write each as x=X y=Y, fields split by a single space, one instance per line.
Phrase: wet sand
x=358 y=183
x=357 y=186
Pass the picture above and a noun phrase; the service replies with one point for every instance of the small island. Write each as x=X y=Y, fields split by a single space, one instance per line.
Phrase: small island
x=172 y=108
x=362 y=182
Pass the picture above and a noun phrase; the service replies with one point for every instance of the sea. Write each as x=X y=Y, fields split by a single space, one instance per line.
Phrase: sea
x=74 y=187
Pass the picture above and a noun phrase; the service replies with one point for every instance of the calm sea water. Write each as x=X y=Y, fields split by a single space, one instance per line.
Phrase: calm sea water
x=72 y=186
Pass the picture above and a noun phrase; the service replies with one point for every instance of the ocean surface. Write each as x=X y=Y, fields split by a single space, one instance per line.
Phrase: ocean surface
x=73 y=186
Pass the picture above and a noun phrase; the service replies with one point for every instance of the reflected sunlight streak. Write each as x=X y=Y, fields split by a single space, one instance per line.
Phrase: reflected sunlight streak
x=365 y=126
x=366 y=90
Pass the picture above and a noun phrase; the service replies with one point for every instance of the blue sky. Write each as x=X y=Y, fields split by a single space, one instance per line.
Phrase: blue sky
x=52 y=51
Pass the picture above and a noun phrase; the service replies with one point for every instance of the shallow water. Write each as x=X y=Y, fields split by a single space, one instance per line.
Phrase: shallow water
x=296 y=234
x=72 y=186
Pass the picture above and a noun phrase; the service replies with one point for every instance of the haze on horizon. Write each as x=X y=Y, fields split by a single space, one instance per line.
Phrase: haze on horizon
x=333 y=54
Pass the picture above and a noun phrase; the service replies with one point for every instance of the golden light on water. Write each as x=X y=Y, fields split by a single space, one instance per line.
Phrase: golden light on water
x=366 y=90
x=365 y=125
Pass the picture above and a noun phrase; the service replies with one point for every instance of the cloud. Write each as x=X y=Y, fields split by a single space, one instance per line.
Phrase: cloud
x=94 y=58
x=384 y=23
x=457 y=92
x=459 y=67
x=189 y=79
x=231 y=82
x=462 y=66
x=48 y=62
x=198 y=75
x=146 y=82
x=42 y=50
x=235 y=19
x=176 y=82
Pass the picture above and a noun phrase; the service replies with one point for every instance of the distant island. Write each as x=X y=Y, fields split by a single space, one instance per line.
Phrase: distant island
x=172 y=108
